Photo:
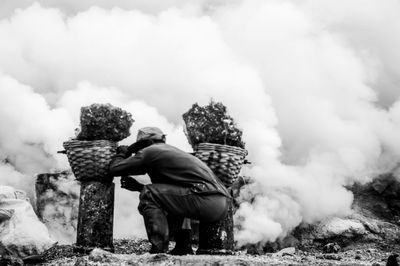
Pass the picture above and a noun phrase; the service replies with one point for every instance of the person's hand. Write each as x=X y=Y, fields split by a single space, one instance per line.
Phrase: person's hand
x=123 y=150
x=131 y=184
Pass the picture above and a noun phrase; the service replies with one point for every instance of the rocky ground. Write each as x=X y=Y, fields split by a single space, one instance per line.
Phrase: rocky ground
x=134 y=252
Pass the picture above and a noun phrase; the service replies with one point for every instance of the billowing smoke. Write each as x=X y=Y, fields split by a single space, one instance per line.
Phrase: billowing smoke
x=313 y=84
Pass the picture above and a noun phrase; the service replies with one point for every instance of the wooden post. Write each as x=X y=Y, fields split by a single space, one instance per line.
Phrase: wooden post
x=96 y=216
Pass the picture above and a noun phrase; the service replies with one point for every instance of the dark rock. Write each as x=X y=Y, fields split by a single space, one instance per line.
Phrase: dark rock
x=358 y=257
x=241 y=262
x=158 y=258
x=130 y=246
x=8 y=260
x=393 y=190
x=392 y=260
x=81 y=262
x=33 y=259
x=329 y=257
x=212 y=124
x=8 y=257
x=381 y=183
x=58 y=251
x=254 y=249
x=394 y=204
x=380 y=197
x=104 y=121
x=331 y=248
x=271 y=247
x=288 y=241
x=371 y=226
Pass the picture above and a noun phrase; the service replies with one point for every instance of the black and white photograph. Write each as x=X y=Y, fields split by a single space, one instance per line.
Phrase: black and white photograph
x=199 y=132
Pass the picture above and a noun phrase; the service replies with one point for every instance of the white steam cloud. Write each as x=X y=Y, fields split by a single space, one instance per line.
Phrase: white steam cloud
x=314 y=85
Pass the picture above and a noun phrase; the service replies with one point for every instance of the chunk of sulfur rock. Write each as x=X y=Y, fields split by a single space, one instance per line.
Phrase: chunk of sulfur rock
x=104 y=122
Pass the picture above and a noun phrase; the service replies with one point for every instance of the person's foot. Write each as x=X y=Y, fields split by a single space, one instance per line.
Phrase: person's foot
x=156 y=250
x=180 y=251
x=183 y=241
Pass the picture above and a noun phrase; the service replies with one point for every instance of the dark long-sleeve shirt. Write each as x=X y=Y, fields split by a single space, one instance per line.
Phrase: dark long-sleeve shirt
x=169 y=165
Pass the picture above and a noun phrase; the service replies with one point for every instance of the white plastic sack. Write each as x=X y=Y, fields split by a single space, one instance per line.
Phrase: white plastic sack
x=22 y=233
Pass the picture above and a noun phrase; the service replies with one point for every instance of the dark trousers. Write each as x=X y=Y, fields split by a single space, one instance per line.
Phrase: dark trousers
x=164 y=207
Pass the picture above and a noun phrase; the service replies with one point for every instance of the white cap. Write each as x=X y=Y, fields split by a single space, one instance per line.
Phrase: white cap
x=147 y=133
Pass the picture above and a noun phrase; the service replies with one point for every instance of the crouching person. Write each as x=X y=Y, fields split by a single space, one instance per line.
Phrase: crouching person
x=182 y=186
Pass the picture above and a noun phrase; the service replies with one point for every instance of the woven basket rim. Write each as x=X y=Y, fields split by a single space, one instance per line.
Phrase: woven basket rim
x=220 y=147
x=88 y=143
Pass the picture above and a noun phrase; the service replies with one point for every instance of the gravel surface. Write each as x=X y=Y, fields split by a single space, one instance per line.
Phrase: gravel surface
x=134 y=252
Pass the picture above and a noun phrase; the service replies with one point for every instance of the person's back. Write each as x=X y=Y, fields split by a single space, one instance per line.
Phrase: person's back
x=170 y=165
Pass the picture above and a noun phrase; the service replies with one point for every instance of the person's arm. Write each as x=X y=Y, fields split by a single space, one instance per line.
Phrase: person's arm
x=133 y=165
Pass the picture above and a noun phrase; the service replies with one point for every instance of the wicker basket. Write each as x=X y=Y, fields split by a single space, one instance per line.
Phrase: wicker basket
x=90 y=160
x=226 y=161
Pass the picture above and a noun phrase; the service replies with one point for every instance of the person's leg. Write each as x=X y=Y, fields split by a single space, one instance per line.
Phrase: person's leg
x=155 y=222
x=160 y=227
x=158 y=199
x=174 y=223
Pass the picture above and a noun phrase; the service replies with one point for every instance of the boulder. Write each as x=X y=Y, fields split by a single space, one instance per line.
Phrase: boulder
x=22 y=233
x=343 y=227
x=286 y=251
x=373 y=223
